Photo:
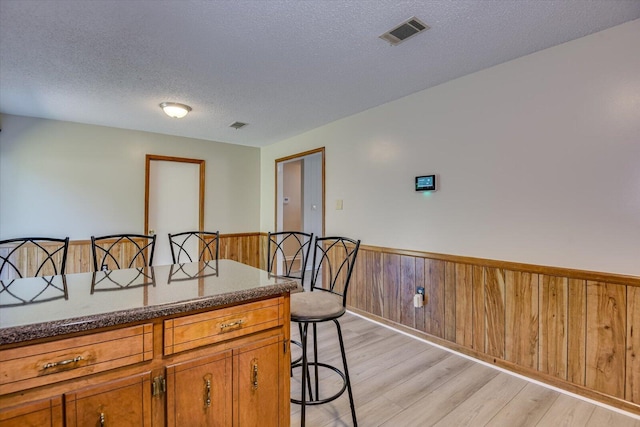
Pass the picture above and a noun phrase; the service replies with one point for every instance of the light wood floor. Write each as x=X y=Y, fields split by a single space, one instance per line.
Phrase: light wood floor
x=399 y=381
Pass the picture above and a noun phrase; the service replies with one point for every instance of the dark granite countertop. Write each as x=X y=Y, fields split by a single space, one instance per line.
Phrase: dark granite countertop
x=40 y=307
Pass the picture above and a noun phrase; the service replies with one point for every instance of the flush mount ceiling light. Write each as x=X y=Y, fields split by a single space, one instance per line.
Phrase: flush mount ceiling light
x=175 y=110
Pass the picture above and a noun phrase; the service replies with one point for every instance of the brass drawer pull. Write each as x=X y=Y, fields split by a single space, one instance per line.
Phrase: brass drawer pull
x=62 y=362
x=207 y=385
x=232 y=324
x=254 y=379
x=101 y=419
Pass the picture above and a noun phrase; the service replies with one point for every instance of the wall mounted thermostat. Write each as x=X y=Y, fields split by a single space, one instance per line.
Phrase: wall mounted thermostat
x=426 y=183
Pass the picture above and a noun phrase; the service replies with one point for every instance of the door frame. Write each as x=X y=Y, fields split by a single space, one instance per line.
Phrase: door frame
x=293 y=157
x=148 y=159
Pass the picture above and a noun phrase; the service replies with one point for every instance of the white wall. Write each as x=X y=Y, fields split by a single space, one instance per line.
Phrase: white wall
x=312 y=194
x=69 y=179
x=538 y=160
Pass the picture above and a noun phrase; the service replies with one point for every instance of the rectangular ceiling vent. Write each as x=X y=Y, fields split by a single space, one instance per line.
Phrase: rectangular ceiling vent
x=237 y=125
x=404 y=31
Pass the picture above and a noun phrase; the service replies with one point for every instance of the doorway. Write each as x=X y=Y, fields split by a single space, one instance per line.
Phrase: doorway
x=300 y=193
x=174 y=200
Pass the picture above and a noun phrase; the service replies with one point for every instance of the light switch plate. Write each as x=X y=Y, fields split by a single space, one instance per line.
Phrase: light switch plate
x=339 y=205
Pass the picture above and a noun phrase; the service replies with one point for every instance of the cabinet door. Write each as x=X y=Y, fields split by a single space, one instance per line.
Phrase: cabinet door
x=42 y=413
x=259 y=375
x=199 y=392
x=122 y=402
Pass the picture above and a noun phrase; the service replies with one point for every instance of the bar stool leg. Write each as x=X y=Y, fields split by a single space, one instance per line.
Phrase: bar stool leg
x=315 y=360
x=300 y=361
x=305 y=373
x=346 y=374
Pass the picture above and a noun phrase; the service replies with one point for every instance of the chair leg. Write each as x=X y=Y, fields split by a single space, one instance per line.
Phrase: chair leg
x=315 y=359
x=346 y=374
x=305 y=373
x=300 y=361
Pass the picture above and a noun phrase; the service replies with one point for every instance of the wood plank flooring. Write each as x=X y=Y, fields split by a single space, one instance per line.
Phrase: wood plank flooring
x=399 y=381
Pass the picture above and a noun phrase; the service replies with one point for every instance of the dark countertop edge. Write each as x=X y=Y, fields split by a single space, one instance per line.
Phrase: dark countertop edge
x=18 y=334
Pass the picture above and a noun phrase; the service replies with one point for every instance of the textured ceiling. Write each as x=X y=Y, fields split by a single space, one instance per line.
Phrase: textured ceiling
x=284 y=67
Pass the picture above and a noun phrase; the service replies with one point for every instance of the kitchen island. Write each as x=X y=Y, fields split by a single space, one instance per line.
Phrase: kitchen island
x=189 y=344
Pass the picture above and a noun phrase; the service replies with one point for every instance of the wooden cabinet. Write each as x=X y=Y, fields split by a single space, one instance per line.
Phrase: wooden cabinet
x=199 y=392
x=43 y=413
x=34 y=365
x=258 y=384
x=244 y=386
x=124 y=402
x=224 y=367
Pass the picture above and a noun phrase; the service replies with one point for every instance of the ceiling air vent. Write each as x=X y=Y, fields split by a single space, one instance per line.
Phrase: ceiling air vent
x=402 y=32
x=237 y=125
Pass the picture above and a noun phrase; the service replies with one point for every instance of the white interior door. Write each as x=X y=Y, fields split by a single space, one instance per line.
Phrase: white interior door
x=174 y=203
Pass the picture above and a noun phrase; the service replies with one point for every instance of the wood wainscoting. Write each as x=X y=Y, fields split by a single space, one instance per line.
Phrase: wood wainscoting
x=573 y=329
x=247 y=248
x=576 y=330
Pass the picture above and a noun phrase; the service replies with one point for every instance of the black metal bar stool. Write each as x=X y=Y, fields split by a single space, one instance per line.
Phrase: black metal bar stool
x=287 y=256
x=333 y=262
x=193 y=246
x=48 y=257
x=122 y=251
x=288 y=253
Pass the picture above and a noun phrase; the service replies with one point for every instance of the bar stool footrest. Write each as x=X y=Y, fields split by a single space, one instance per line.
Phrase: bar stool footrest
x=330 y=398
x=298 y=361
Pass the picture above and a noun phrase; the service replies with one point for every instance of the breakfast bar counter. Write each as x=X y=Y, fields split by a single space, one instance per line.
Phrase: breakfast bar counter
x=187 y=344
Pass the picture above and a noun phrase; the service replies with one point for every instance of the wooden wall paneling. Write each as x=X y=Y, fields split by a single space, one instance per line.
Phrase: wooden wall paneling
x=224 y=250
x=391 y=286
x=232 y=248
x=464 y=304
x=246 y=254
x=521 y=318
x=419 y=313
x=375 y=303
x=356 y=297
x=244 y=248
x=632 y=392
x=494 y=312
x=606 y=334
x=434 y=287
x=79 y=257
x=553 y=326
x=254 y=251
x=450 y=301
x=407 y=290
x=32 y=259
x=264 y=241
x=4 y=252
x=576 y=330
x=478 y=308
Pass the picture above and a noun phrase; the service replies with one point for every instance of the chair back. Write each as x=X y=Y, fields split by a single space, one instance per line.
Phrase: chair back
x=290 y=251
x=122 y=251
x=333 y=261
x=192 y=246
x=32 y=257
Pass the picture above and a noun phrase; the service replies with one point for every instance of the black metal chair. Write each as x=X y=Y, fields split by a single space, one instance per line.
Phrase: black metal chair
x=32 y=257
x=333 y=263
x=288 y=253
x=122 y=251
x=185 y=246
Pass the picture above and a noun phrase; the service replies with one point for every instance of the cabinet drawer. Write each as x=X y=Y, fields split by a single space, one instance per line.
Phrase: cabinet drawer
x=40 y=364
x=197 y=330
